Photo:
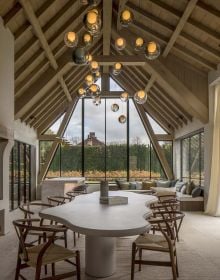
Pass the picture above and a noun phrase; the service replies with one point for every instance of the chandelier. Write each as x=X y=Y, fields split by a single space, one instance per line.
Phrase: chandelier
x=93 y=24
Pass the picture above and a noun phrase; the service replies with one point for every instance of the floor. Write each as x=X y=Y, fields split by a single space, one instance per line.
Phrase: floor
x=198 y=253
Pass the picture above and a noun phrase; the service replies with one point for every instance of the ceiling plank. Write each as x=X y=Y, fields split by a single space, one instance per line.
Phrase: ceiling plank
x=65 y=88
x=38 y=31
x=183 y=35
x=208 y=9
x=188 y=10
x=177 y=14
x=107 y=25
x=12 y=14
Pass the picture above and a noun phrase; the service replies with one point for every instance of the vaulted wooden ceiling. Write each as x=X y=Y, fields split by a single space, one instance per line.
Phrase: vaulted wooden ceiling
x=46 y=80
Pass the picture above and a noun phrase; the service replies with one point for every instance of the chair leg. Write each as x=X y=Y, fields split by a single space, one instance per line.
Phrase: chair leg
x=173 y=264
x=18 y=267
x=140 y=258
x=78 y=234
x=65 y=239
x=133 y=260
x=177 y=269
x=78 y=276
x=53 y=269
x=38 y=272
x=74 y=238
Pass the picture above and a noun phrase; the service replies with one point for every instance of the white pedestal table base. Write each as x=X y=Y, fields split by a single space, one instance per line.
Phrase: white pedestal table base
x=100 y=256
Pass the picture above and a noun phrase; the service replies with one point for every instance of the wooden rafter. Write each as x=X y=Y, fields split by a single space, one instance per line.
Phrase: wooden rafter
x=107 y=25
x=150 y=83
x=12 y=14
x=188 y=10
x=154 y=141
x=192 y=22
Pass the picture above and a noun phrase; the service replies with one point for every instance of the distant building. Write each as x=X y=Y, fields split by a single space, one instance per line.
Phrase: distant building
x=92 y=140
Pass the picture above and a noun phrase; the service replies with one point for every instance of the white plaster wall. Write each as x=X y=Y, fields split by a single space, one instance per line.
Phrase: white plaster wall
x=24 y=133
x=6 y=113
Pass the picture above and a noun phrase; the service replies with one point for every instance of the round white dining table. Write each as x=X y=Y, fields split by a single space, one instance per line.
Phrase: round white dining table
x=101 y=224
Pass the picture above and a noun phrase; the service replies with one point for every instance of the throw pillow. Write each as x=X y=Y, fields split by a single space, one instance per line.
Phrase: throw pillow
x=147 y=185
x=163 y=184
x=118 y=181
x=183 y=189
x=179 y=185
x=123 y=185
x=132 y=185
x=173 y=183
x=189 y=187
x=138 y=185
x=196 y=192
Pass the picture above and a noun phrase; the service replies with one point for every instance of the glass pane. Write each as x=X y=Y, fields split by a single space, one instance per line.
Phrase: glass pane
x=116 y=141
x=185 y=159
x=156 y=168
x=11 y=181
x=54 y=128
x=202 y=159
x=114 y=86
x=139 y=146
x=54 y=169
x=155 y=126
x=195 y=158
x=71 y=153
x=15 y=163
x=45 y=147
x=94 y=139
x=22 y=173
x=167 y=147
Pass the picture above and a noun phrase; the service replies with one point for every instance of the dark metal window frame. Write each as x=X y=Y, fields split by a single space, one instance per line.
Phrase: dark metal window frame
x=26 y=184
x=189 y=137
x=105 y=163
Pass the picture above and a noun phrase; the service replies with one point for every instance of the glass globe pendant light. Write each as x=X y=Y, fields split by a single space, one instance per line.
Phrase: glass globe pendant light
x=70 y=39
x=139 y=44
x=124 y=96
x=152 y=50
x=94 y=66
x=94 y=90
x=114 y=107
x=89 y=80
x=126 y=17
x=88 y=58
x=122 y=119
x=87 y=39
x=96 y=75
x=92 y=22
x=120 y=43
x=81 y=92
x=79 y=55
x=117 y=68
x=140 y=97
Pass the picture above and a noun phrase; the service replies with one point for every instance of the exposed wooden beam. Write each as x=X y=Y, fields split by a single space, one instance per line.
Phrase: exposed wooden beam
x=150 y=83
x=209 y=9
x=55 y=144
x=47 y=137
x=164 y=137
x=188 y=10
x=177 y=47
x=107 y=25
x=177 y=14
x=40 y=86
x=153 y=138
x=65 y=88
x=121 y=6
x=21 y=31
x=175 y=88
x=38 y=31
x=11 y=14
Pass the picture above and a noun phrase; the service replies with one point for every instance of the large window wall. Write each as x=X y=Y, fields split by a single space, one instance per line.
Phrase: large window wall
x=192 y=158
x=20 y=174
x=102 y=148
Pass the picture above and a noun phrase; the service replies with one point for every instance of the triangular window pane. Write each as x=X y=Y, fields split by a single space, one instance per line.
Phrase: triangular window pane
x=143 y=160
x=155 y=126
x=55 y=126
x=114 y=86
